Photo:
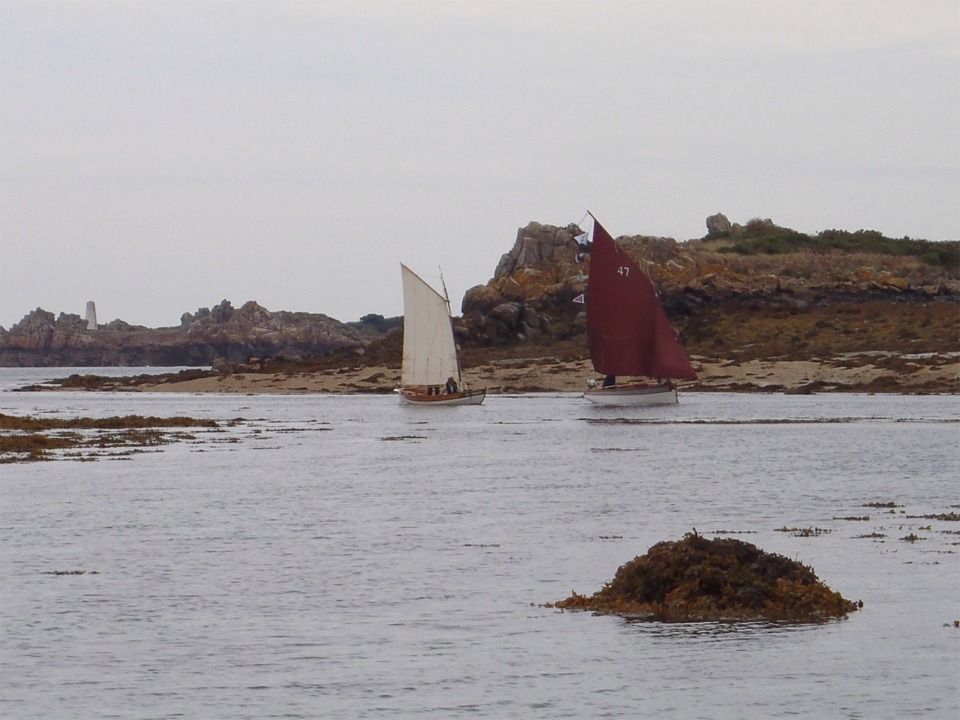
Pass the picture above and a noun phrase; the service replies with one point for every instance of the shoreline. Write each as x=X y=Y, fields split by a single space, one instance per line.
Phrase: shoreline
x=879 y=373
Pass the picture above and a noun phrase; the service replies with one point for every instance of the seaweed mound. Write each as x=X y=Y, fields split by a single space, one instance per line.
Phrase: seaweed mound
x=696 y=579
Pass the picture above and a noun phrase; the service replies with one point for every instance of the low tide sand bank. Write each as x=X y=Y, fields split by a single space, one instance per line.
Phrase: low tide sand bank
x=874 y=374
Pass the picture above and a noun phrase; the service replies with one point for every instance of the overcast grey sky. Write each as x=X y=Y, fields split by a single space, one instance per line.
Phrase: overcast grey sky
x=160 y=156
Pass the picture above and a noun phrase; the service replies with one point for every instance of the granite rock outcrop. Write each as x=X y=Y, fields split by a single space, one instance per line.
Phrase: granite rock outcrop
x=739 y=293
x=219 y=334
x=534 y=285
x=536 y=292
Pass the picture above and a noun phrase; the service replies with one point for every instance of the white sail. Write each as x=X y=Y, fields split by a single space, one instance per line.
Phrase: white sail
x=429 y=351
x=91 y=315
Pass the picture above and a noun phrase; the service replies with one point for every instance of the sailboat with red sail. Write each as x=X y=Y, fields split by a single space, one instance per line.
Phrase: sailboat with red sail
x=628 y=331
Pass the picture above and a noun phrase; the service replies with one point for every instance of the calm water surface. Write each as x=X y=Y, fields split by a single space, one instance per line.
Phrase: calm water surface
x=349 y=557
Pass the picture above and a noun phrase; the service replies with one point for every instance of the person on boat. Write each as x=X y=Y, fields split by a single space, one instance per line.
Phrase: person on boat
x=609 y=381
x=451 y=386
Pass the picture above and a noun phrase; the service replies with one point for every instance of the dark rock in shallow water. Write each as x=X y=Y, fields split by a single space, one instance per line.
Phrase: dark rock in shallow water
x=696 y=579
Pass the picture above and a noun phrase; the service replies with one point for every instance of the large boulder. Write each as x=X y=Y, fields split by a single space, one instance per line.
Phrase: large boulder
x=718 y=225
x=480 y=300
x=541 y=247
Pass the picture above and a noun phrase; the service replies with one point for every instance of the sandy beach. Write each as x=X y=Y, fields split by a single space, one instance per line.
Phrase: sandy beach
x=875 y=373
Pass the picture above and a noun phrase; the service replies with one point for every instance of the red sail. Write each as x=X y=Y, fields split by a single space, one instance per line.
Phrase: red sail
x=627 y=329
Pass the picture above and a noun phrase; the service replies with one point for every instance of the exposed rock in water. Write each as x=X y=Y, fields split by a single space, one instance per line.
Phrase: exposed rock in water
x=696 y=579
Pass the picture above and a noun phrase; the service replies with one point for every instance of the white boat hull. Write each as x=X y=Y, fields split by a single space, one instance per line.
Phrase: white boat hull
x=417 y=397
x=639 y=394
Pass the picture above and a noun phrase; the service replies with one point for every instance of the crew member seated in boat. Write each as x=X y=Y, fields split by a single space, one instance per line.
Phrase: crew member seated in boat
x=451 y=386
x=609 y=380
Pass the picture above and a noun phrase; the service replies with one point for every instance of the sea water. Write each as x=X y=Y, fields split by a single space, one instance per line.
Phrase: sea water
x=350 y=557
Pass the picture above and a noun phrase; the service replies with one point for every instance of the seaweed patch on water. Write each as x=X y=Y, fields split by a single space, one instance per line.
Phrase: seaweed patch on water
x=898 y=524
x=392 y=438
x=804 y=532
x=103 y=383
x=733 y=532
x=944 y=517
x=696 y=579
x=24 y=439
x=301 y=429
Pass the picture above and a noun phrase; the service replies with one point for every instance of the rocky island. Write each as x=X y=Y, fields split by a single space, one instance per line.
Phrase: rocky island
x=757 y=306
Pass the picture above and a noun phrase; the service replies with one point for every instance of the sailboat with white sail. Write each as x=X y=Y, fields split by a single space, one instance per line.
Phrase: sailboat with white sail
x=628 y=331
x=430 y=373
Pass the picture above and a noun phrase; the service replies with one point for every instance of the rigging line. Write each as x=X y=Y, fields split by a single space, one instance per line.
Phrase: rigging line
x=446 y=296
x=444 y=284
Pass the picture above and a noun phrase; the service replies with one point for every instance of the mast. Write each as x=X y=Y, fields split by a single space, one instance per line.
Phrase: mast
x=446 y=297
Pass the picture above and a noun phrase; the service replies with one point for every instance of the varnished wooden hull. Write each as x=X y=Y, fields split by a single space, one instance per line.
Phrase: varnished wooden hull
x=418 y=396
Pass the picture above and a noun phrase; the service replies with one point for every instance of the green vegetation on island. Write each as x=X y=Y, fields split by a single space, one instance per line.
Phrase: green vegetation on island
x=759 y=237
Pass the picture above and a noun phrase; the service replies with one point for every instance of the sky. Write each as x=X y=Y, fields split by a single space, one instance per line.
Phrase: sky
x=159 y=156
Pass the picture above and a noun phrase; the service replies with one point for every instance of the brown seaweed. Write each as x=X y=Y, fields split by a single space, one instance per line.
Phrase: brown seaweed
x=24 y=438
x=697 y=579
